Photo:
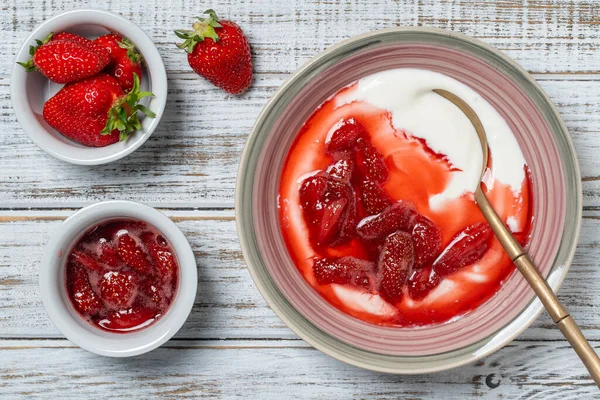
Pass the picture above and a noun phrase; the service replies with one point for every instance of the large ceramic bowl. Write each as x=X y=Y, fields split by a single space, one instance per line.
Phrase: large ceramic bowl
x=546 y=146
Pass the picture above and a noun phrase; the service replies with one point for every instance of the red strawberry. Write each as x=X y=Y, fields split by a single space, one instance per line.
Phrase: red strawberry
x=466 y=248
x=370 y=161
x=164 y=260
x=427 y=239
x=125 y=61
x=72 y=38
x=129 y=319
x=95 y=111
x=398 y=216
x=395 y=263
x=421 y=282
x=374 y=197
x=151 y=288
x=84 y=298
x=66 y=60
x=345 y=136
x=118 y=289
x=218 y=51
x=132 y=254
x=85 y=260
x=108 y=254
x=331 y=222
x=342 y=167
x=345 y=270
x=312 y=190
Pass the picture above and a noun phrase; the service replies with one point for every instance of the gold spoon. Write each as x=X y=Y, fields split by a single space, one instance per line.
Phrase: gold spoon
x=519 y=257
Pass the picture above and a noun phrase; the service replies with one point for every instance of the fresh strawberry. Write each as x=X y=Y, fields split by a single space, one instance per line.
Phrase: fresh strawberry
x=125 y=61
x=82 y=294
x=126 y=320
x=95 y=111
x=370 y=161
x=118 y=289
x=427 y=239
x=66 y=60
x=375 y=199
x=72 y=38
x=395 y=263
x=218 y=51
x=345 y=270
x=85 y=260
x=108 y=254
x=465 y=248
x=164 y=260
x=132 y=254
x=421 y=282
x=345 y=136
x=342 y=167
x=398 y=216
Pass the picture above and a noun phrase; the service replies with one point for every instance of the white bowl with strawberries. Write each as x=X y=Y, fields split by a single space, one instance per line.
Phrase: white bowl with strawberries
x=89 y=86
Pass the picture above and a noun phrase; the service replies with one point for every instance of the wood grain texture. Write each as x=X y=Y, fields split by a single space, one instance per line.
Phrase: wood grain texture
x=228 y=305
x=279 y=370
x=233 y=345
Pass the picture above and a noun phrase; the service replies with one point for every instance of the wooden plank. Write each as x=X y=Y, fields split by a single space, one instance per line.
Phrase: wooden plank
x=192 y=158
x=228 y=305
x=543 y=35
x=279 y=370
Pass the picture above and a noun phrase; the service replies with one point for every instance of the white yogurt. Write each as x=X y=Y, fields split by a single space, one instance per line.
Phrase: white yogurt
x=407 y=94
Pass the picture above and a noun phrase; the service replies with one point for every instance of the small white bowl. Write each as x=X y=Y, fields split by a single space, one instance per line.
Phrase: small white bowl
x=29 y=91
x=60 y=309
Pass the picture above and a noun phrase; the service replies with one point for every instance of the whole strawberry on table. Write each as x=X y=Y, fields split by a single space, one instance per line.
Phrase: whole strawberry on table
x=99 y=103
x=219 y=51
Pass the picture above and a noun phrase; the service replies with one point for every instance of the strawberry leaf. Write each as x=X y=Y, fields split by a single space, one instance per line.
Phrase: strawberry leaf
x=201 y=29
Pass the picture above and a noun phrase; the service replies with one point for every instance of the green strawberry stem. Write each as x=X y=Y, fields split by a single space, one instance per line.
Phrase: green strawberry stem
x=123 y=116
x=132 y=53
x=29 y=66
x=201 y=29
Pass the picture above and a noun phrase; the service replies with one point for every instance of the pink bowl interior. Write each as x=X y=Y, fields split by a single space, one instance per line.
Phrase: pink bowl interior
x=539 y=149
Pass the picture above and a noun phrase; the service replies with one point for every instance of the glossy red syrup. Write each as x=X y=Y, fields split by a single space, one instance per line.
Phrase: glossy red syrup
x=122 y=276
x=378 y=285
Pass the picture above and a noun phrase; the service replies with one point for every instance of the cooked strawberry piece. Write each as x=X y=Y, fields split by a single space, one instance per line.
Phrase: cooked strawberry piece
x=312 y=190
x=398 y=216
x=465 y=248
x=427 y=239
x=151 y=288
x=395 y=263
x=345 y=136
x=345 y=270
x=132 y=254
x=163 y=258
x=374 y=197
x=342 y=167
x=421 y=282
x=126 y=320
x=370 y=161
x=108 y=254
x=118 y=289
x=332 y=221
x=83 y=296
x=85 y=260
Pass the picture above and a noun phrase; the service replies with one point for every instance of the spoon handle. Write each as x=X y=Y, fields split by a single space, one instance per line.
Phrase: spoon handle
x=557 y=311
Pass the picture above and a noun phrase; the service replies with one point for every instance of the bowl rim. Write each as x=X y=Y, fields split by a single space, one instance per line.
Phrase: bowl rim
x=156 y=70
x=66 y=319
x=323 y=341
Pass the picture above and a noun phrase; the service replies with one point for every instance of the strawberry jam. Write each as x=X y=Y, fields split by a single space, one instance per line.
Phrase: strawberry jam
x=122 y=276
x=358 y=212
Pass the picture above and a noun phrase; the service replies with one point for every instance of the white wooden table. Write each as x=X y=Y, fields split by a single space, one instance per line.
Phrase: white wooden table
x=233 y=345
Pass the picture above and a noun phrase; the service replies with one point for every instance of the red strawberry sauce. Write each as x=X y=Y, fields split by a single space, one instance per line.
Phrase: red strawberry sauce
x=122 y=285
x=355 y=215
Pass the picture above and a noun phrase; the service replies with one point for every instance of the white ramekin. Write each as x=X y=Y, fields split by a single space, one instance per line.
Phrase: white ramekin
x=30 y=90
x=61 y=311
